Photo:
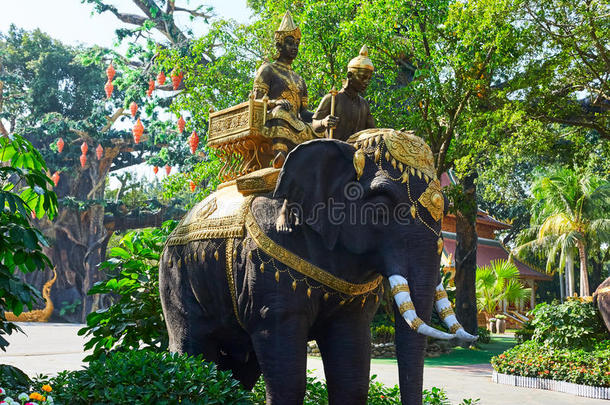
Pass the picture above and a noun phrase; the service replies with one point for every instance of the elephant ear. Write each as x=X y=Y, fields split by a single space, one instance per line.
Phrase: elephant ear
x=314 y=176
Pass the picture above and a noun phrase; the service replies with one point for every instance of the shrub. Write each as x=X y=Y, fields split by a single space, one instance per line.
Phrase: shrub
x=13 y=379
x=532 y=359
x=136 y=319
x=525 y=333
x=383 y=334
x=484 y=335
x=573 y=324
x=147 y=377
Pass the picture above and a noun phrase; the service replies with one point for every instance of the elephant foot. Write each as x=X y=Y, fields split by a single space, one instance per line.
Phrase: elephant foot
x=282 y=225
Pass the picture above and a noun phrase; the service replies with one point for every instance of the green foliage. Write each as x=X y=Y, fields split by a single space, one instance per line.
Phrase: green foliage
x=135 y=320
x=25 y=190
x=13 y=379
x=525 y=333
x=484 y=335
x=573 y=324
x=147 y=377
x=496 y=282
x=383 y=334
x=532 y=359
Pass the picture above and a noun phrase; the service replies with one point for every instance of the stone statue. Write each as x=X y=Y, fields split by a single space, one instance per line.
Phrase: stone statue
x=352 y=113
x=289 y=122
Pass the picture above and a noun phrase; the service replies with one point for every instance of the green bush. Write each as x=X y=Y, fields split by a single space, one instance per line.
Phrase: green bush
x=484 y=335
x=147 y=377
x=533 y=359
x=25 y=190
x=525 y=333
x=13 y=380
x=136 y=320
x=383 y=334
x=573 y=324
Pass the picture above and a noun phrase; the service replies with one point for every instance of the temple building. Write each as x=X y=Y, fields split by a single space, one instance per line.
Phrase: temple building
x=489 y=248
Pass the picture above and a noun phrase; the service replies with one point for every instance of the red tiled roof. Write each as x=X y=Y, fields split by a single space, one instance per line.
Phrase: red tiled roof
x=488 y=250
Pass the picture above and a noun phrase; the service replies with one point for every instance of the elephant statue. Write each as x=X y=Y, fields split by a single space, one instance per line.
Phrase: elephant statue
x=249 y=298
x=601 y=298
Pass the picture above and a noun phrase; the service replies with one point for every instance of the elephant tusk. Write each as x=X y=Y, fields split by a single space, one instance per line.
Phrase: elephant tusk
x=443 y=306
x=402 y=296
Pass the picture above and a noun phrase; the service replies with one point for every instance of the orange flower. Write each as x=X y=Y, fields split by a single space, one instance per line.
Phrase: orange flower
x=47 y=388
x=36 y=396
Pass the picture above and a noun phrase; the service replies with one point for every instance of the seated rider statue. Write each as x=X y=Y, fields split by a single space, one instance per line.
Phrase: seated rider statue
x=352 y=114
x=288 y=121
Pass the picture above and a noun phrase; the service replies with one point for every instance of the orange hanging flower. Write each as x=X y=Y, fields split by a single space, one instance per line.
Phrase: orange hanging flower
x=168 y=169
x=133 y=108
x=138 y=130
x=99 y=152
x=161 y=78
x=108 y=88
x=176 y=79
x=55 y=178
x=192 y=185
x=60 y=145
x=83 y=161
x=181 y=124
x=194 y=142
x=151 y=87
x=110 y=72
x=155 y=169
x=84 y=148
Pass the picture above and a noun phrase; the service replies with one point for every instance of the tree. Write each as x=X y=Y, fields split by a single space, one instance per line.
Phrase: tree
x=56 y=92
x=571 y=213
x=25 y=191
x=497 y=282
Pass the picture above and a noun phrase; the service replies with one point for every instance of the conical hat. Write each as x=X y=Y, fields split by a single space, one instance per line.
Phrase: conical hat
x=361 y=61
x=287 y=28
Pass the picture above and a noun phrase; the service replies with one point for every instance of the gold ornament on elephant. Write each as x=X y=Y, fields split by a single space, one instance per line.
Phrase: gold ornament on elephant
x=432 y=199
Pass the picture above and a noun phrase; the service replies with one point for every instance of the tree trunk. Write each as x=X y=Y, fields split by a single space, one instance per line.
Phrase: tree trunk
x=466 y=256
x=570 y=274
x=584 y=273
x=562 y=288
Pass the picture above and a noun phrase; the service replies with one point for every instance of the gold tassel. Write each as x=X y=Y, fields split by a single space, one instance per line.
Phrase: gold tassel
x=365 y=143
x=413 y=210
x=294 y=285
x=203 y=256
x=412 y=171
x=394 y=163
x=342 y=302
x=405 y=176
x=419 y=174
x=426 y=178
x=400 y=166
x=377 y=155
x=387 y=155
x=359 y=162
x=179 y=264
x=378 y=139
x=376 y=299
x=169 y=262
x=262 y=267
x=326 y=297
x=439 y=244
x=363 y=302
x=309 y=292
x=216 y=254
x=277 y=276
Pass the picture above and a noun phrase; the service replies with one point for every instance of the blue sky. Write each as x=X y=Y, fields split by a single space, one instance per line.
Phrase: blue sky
x=72 y=22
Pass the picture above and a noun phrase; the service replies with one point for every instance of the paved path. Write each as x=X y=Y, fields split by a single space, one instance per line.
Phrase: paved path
x=52 y=347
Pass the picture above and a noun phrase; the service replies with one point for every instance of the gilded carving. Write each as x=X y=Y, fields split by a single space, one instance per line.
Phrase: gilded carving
x=432 y=199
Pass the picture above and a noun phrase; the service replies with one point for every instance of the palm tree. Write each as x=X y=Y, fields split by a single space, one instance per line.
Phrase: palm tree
x=572 y=210
x=497 y=282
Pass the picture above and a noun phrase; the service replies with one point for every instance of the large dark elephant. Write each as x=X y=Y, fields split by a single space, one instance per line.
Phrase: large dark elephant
x=601 y=298
x=249 y=298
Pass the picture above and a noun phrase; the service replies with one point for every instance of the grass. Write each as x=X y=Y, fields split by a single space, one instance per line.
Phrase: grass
x=460 y=356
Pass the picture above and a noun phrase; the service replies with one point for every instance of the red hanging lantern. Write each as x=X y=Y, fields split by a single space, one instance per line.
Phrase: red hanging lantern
x=108 y=88
x=155 y=169
x=161 y=78
x=168 y=169
x=110 y=72
x=60 y=145
x=194 y=142
x=83 y=161
x=99 y=152
x=133 y=108
x=193 y=185
x=151 y=87
x=181 y=124
x=138 y=130
x=84 y=148
x=55 y=178
x=176 y=79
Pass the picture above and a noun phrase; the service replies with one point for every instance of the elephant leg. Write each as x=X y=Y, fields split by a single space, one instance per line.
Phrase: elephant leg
x=281 y=349
x=345 y=346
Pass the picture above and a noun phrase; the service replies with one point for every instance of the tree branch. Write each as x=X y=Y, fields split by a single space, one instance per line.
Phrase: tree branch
x=112 y=119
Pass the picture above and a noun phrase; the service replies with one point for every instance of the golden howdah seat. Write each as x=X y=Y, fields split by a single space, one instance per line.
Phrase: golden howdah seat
x=238 y=133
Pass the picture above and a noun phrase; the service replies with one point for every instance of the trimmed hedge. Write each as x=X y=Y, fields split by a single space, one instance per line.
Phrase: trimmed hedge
x=532 y=359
